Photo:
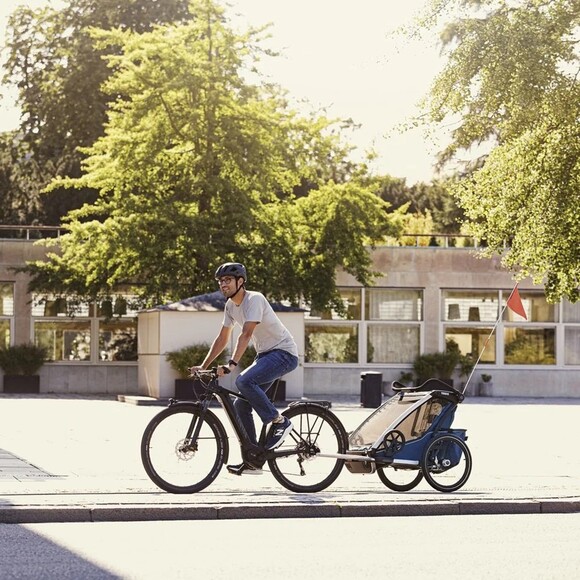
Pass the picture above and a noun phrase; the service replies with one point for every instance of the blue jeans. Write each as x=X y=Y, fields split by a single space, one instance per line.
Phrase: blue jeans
x=255 y=381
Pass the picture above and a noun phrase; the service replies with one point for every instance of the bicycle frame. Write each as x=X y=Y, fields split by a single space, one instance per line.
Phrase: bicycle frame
x=225 y=397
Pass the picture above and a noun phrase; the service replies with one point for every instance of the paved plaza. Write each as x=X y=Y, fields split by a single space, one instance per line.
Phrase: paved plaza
x=76 y=458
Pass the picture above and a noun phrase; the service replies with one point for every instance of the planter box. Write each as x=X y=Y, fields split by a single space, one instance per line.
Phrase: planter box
x=280 y=394
x=188 y=389
x=486 y=389
x=21 y=384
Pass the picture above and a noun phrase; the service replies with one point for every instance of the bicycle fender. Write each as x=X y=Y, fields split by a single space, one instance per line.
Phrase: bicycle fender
x=324 y=404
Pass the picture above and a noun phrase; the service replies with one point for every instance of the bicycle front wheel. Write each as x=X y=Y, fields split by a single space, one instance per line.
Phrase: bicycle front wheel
x=446 y=463
x=317 y=434
x=173 y=460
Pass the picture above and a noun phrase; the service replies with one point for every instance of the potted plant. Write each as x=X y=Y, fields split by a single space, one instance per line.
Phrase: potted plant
x=181 y=361
x=466 y=364
x=486 y=385
x=435 y=365
x=21 y=364
x=441 y=365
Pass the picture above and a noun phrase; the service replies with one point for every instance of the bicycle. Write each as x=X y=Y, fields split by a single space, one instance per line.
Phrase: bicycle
x=185 y=446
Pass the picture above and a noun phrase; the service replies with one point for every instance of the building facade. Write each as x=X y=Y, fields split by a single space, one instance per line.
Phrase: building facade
x=427 y=295
x=423 y=297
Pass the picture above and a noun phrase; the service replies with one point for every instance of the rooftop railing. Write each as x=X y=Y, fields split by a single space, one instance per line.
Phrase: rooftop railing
x=32 y=233
x=438 y=240
x=17 y=232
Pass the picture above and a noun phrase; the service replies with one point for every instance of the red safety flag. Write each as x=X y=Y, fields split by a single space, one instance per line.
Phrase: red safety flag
x=514 y=302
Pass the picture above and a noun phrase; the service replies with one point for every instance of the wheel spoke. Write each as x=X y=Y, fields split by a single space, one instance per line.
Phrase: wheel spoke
x=172 y=460
x=446 y=463
x=318 y=431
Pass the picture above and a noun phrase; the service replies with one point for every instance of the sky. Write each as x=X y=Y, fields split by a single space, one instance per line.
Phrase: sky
x=343 y=56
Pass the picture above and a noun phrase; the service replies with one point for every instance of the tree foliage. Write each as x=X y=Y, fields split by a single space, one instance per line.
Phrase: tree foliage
x=421 y=199
x=58 y=72
x=197 y=166
x=511 y=81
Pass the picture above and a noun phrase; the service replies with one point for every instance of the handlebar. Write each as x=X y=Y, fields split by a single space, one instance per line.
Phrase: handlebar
x=211 y=373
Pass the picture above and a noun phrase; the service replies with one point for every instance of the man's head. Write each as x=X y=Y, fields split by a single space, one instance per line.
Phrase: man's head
x=229 y=275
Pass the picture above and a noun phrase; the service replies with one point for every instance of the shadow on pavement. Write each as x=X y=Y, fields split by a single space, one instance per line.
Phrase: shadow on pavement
x=27 y=554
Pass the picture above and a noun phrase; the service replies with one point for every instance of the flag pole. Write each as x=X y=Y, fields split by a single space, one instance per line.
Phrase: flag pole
x=488 y=339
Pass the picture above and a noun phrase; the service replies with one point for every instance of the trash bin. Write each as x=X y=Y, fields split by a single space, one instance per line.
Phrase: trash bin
x=371 y=389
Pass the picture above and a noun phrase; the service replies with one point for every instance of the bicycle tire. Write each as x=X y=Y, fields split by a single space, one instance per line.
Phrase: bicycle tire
x=315 y=430
x=440 y=476
x=169 y=460
x=414 y=478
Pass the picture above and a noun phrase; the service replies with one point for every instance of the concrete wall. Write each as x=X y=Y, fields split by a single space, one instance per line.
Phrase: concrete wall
x=163 y=331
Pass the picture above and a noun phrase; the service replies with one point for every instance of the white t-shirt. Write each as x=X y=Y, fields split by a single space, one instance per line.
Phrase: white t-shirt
x=269 y=333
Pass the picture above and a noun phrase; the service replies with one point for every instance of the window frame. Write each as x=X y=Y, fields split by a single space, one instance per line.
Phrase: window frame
x=363 y=324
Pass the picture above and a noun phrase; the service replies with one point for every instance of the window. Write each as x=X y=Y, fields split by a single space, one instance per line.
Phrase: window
x=331 y=343
x=79 y=331
x=392 y=343
x=470 y=306
x=571 y=312
x=351 y=299
x=471 y=341
x=526 y=343
x=6 y=313
x=388 y=340
x=68 y=340
x=571 y=319
x=391 y=335
x=467 y=315
x=530 y=346
x=387 y=304
x=536 y=306
x=118 y=340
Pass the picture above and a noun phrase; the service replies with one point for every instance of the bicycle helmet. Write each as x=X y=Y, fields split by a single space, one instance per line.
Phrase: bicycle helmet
x=234 y=269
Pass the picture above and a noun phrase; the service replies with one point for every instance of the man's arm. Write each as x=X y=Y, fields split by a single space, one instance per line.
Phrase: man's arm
x=217 y=347
x=243 y=340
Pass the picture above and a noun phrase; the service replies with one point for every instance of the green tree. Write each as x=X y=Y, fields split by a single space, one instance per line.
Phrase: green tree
x=333 y=228
x=59 y=72
x=20 y=203
x=197 y=165
x=435 y=199
x=511 y=82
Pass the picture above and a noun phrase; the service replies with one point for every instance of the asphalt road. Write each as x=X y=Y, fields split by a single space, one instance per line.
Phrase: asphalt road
x=537 y=547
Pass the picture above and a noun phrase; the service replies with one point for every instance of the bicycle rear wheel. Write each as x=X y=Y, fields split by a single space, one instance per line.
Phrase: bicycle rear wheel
x=172 y=460
x=316 y=432
x=446 y=463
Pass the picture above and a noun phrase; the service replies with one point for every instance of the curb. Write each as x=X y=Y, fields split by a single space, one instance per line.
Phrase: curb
x=87 y=514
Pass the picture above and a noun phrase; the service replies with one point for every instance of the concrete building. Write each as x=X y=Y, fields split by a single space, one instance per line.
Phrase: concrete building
x=424 y=296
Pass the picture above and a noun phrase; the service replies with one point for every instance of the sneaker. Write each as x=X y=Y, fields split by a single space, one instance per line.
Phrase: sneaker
x=279 y=432
x=244 y=468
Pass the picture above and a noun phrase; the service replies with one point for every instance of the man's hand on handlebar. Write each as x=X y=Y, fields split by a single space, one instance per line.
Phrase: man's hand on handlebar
x=223 y=370
x=220 y=371
x=194 y=370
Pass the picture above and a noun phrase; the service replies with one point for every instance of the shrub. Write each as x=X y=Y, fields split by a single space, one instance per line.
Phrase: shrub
x=440 y=365
x=247 y=358
x=181 y=360
x=22 y=359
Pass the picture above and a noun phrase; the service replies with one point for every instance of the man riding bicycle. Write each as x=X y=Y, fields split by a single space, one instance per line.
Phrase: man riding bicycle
x=277 y=355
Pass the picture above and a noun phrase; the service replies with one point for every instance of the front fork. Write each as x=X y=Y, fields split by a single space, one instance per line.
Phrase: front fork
x=194 y=428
